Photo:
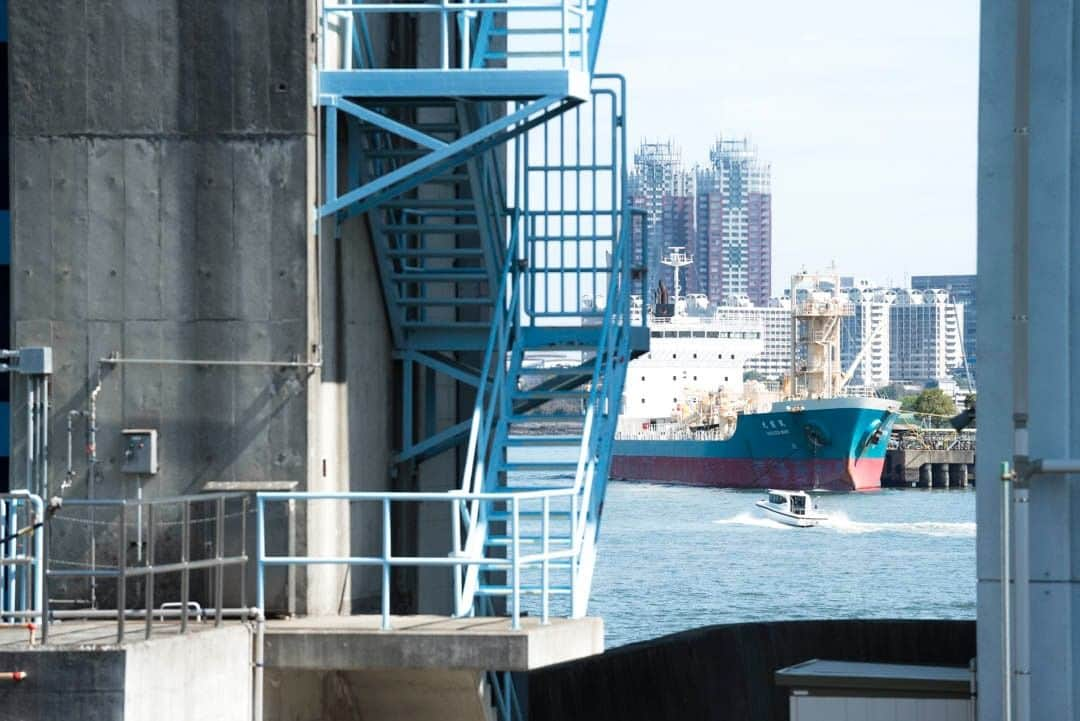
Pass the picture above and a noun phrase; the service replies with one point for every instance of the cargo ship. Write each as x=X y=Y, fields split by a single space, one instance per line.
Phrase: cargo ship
x=686 y=418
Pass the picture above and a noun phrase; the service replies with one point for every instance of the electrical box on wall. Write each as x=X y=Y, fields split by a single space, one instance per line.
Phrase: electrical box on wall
x=140 y=451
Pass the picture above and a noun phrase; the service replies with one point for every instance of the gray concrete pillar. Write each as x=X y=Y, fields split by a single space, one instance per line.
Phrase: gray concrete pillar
x=939 y=475
x=924 y=475
x=958 y=475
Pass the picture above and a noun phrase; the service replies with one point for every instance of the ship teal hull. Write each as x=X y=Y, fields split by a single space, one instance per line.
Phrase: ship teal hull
x=831 y=445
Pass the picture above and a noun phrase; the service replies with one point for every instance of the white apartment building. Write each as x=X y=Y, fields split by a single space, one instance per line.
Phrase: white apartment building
x=775 y=361
x=914 y=336
x=867 y=329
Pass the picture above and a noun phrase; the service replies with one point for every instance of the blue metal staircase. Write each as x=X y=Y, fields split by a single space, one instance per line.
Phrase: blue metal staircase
x=493 y=187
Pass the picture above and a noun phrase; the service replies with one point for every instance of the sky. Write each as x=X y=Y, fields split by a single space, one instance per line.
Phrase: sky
x=866 y=111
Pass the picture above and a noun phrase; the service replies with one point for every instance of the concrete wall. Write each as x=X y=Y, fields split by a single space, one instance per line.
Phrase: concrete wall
x=726 y=672
x=386 y=695
x=161 y=190
x=206 y=674
x=1054 y=367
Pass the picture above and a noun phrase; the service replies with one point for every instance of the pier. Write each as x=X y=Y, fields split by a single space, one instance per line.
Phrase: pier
x=929 y=458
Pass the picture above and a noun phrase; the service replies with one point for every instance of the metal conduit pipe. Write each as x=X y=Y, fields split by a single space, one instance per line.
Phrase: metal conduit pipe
x=117 y=360
x=91 y=477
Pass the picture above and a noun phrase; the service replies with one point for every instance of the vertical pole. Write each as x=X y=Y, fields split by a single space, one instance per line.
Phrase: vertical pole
x=331 y=114
x=515 y=622
x=39 y=558
x=386 y=564
x=1006 y=594
x=455 y=530
x=444 y=37
x=545 y=531
x=1020 y=341
x=1022 y=602
x=150 y=569
x=29 y=480
x=185 y=573
x=219 y=546
x=44 y=439
x=243 y=550
x=565 y=34
x=260 y=554
x=121 y=579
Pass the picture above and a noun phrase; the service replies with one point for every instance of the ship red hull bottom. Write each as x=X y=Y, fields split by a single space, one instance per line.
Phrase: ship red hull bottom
x=833 y=474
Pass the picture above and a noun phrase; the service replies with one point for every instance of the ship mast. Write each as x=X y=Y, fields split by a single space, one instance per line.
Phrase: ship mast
x=677 y=257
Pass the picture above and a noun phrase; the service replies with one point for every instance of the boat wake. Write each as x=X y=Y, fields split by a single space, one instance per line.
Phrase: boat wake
x=752 y=519
x=839 y=521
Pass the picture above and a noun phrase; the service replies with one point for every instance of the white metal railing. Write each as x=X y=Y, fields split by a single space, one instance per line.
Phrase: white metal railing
x=517 y=505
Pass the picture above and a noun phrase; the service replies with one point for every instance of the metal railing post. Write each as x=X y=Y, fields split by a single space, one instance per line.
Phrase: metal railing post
x=515 y=621
x=444 y=37
x=219 y=545
x=185 y=574
x=260 y=554
x=455 y=530
x=545 y=531
x=386 y=565
x=150 y=563
x=121 y=579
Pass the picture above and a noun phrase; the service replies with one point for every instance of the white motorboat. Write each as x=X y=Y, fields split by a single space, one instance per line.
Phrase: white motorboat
x=795 y=508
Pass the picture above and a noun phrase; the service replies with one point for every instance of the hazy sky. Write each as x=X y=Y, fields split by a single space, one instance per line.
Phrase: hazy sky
x=865 y=109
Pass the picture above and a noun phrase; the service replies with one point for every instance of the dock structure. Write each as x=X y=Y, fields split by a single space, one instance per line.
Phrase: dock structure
x=926 y=457
x=298 y=266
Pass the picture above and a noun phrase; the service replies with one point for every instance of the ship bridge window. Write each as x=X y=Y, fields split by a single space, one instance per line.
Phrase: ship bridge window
x=778 y=500
x=671 y=334
x=674 y=355
x=713 y=334
x=684 y=334
x=699 y=334
x=657 y=334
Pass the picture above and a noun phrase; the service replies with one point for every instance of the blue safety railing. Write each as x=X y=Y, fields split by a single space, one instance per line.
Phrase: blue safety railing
x=457 y=559
x=22 y=516
x=473 y=35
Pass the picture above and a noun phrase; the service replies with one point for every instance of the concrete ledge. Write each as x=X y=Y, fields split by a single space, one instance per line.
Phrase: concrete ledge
x=429 y=642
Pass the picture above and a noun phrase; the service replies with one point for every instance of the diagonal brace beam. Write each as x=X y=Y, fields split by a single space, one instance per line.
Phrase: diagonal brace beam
x=457 y=371
x=436 y=444
x=393 y=126
x=457 y=148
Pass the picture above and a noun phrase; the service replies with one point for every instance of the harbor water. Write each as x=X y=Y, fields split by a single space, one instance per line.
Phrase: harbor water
x=673 y=558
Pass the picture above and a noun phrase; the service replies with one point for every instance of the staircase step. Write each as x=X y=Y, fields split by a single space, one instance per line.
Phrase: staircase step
x=544 y=441
x=530 y=590
x=539 y=466
x=429 y=228
x=541 y=394
x=547 y=418
x=504 y=541
x=508 y=516
x=431 y=203
x=445 y=301
x=435 y=252
x=441 y=276
x=447 y=324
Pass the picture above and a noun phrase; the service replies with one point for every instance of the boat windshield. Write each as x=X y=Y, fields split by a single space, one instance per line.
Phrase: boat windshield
x=798 y=504
x=777 y=499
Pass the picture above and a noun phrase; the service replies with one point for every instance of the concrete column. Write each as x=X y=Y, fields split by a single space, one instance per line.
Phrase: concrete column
x=958 y=476
x=940 y=475
x=924 y=476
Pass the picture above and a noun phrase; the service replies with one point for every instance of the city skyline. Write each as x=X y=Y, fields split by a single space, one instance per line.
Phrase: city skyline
x=867 y=115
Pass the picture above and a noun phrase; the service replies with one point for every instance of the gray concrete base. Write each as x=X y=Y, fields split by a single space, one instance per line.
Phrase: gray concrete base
x=338 y=643
x=377 y=695
x=83 y=675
